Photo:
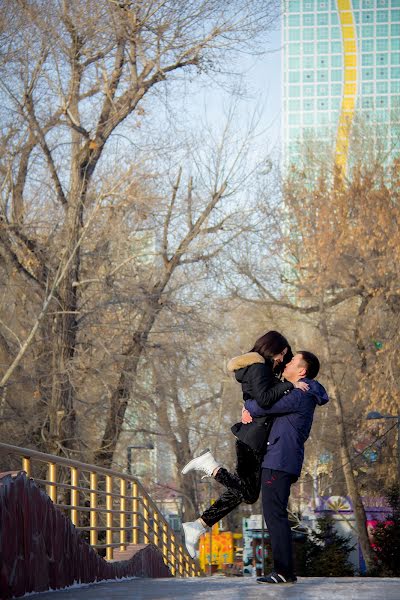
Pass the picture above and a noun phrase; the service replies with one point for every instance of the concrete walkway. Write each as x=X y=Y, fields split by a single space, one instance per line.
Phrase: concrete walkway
x=229 y=588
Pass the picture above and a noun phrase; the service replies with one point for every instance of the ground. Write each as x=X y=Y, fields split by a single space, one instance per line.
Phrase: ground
x=230 y=588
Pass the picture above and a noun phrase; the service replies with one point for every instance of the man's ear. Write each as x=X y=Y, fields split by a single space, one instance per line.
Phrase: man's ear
x=302 y=372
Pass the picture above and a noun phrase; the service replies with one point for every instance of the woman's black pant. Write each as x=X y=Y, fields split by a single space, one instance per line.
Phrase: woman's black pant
x=243 y=486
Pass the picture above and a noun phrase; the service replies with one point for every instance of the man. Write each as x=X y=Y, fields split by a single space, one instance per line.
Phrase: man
x=284 y=457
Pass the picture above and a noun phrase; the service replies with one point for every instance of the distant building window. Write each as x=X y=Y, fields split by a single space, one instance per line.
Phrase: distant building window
x=367 y=31
x=383 y=45
x=367 y=73
x=368 y=45
x=322 y=33
x=382 y=30
x=294 y=91
x=294 y=20
x=294 y=63
x=382 y=73
x=395 y=43
x=382 y=16
x=367 y=88
x=382 y=102
x=395 y=59
x=308 y=34
x=395 y=29
x=294 y=35
x=367 y=60
x=395 y=73
x=336 y=89
x=336 y=61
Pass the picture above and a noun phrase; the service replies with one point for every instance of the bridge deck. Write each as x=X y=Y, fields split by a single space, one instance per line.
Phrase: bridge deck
x=224 y=588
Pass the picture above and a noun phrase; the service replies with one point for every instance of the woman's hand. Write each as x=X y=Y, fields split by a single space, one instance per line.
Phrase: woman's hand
x=301 y=385
x=246 y=416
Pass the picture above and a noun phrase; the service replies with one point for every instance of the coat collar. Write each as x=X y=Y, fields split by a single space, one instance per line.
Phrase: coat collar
x=244 y=360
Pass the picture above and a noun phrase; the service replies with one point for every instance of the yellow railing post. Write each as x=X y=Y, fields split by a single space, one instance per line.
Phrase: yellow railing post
x=109 y=518
x=173 y=557
x=26 y=465
x=93 y=513
x=146 y=538
x=180 y=560
x=156 y=537
x=165 y=542
x=122 y=514
x=135 y=516
x=74 y=496
x=52 y=478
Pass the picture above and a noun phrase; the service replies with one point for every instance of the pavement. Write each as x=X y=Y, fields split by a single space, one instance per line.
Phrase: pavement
x=231 y=588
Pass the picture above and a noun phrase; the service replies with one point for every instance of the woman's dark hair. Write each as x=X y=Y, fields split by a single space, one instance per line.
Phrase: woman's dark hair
x=270 y=344
x=311 y=363
x=278 y=370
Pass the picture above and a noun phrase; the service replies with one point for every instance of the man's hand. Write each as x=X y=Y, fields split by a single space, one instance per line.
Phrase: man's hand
x=246 y=416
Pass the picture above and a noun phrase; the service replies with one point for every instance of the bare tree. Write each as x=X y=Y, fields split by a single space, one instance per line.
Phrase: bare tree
x=72 y=74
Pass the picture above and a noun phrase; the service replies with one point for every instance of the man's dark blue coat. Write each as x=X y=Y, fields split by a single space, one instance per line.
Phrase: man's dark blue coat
x=293 y=416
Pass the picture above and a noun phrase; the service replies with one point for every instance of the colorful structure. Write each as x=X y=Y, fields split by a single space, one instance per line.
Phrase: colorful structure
x=217 y=547
x=340 y=58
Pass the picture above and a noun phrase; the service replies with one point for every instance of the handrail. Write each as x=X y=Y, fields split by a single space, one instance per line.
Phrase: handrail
x=107 y=505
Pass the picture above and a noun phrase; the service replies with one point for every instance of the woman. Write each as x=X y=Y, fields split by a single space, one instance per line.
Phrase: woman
x=256 y=371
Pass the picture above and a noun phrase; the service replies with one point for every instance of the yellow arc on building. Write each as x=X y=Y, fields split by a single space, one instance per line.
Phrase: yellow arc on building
x=349 y=36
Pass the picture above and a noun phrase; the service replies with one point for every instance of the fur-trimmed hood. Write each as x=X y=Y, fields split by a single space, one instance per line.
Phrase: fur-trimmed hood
x=244 y=360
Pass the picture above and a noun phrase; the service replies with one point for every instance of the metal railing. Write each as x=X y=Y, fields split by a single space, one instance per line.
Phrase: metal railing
x=110 y=508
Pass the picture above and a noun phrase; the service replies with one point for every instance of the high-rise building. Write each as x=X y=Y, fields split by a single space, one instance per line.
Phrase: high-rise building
x=341 y=59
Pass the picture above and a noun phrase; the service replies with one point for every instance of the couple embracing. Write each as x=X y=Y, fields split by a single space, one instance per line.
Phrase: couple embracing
x=280 y=394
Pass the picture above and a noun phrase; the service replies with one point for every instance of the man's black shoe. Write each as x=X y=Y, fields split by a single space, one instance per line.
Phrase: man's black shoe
x=276 y=578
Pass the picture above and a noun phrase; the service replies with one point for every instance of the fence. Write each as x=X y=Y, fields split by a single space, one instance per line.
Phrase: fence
x=110 y=508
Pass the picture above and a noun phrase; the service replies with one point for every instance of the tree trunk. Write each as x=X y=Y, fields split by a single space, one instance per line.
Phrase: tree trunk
x=358 y=507
x=121 y=395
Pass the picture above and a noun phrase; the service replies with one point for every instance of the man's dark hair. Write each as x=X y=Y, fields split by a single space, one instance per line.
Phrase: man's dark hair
x=270 y=344
x=311 y=363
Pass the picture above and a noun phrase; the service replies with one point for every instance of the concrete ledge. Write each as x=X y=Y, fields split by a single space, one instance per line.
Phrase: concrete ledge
x=40 y=549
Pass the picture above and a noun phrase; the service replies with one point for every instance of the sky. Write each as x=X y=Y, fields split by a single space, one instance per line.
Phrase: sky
x=262 y=85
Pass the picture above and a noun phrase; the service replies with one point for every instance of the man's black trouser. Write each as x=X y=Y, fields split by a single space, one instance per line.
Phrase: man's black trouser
x=243 y=486
x=275 y=486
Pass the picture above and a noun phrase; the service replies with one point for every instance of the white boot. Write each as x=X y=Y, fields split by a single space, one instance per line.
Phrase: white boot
x=192 y=531
x=205 y=462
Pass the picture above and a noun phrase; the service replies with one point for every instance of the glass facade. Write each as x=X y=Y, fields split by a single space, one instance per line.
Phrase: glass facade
x=341 y=59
